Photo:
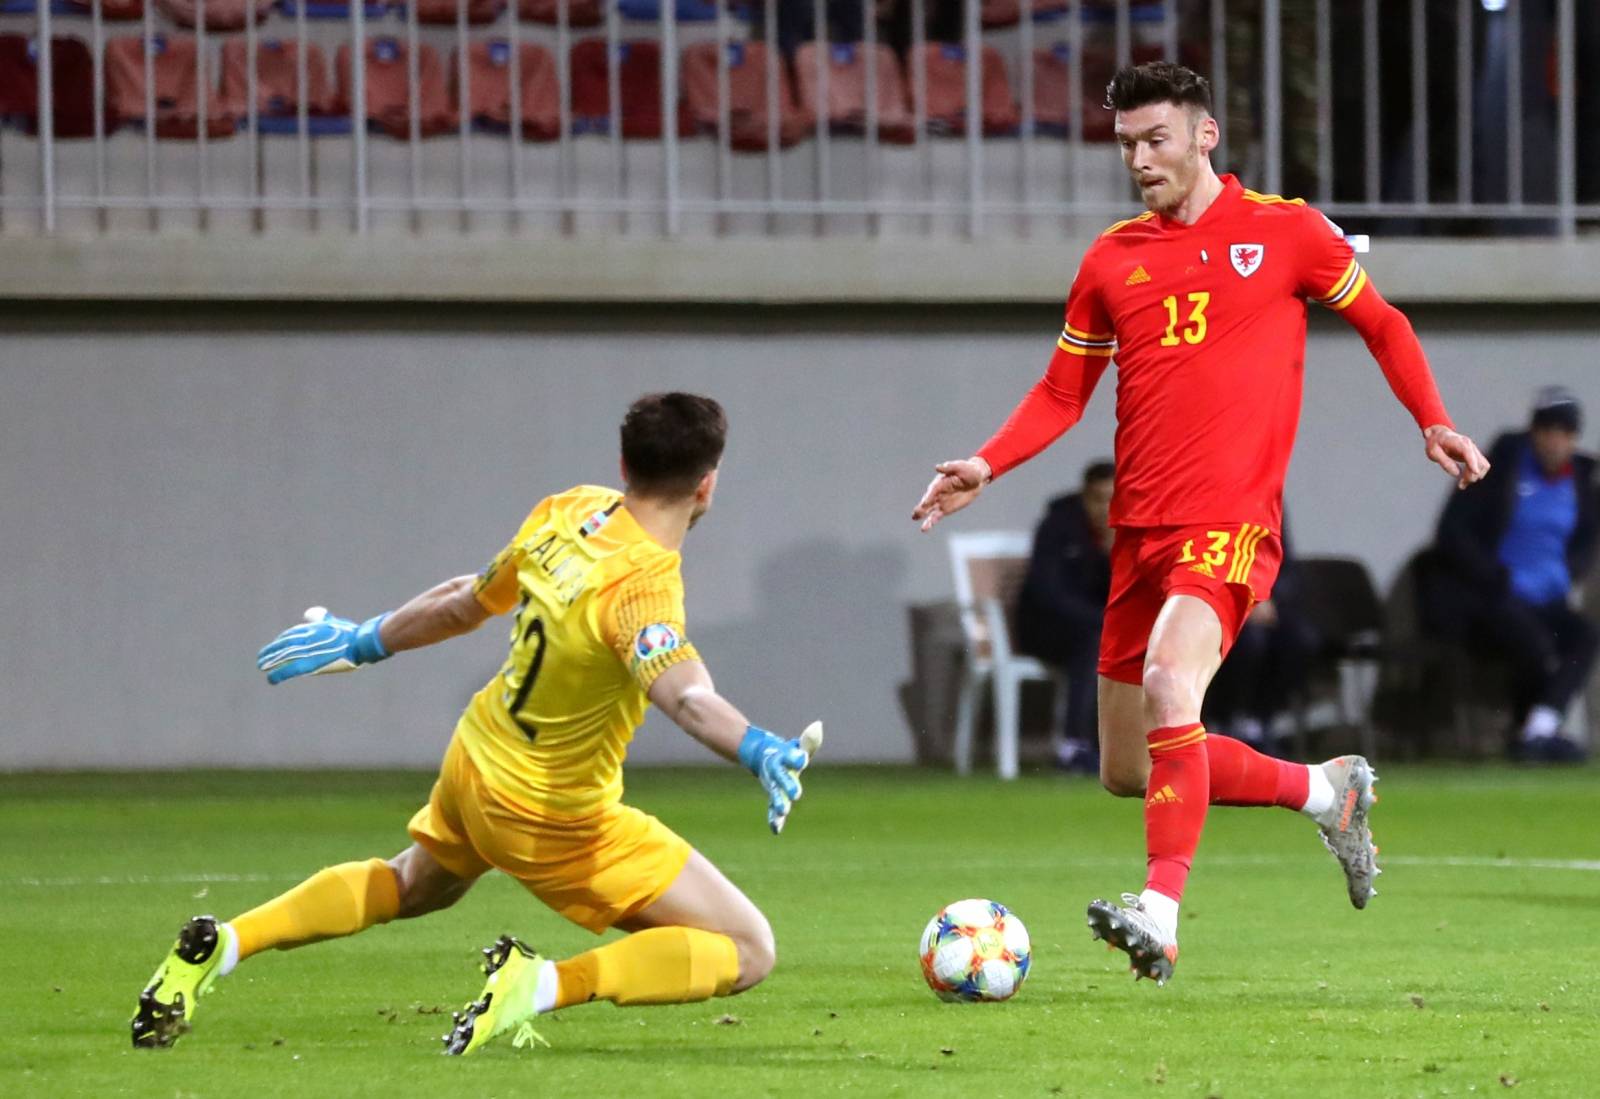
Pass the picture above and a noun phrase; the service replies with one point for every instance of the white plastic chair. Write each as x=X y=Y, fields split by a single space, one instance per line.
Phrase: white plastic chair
x=989 y=567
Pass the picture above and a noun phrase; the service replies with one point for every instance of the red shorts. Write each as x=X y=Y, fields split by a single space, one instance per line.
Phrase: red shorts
x=1232 y=567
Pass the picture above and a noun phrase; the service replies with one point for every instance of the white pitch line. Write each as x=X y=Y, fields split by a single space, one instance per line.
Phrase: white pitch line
x=148 y=879
x=1474 y=862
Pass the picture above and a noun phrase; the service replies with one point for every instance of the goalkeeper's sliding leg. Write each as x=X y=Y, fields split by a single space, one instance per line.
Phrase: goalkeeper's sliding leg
x=699 y=939
x=332 y=903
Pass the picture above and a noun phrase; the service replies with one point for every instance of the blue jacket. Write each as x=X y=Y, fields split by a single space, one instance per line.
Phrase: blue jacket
x=1475 y=519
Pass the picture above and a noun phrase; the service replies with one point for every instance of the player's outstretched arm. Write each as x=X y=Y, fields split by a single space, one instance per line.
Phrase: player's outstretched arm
x=955 y=484
x=1052 y=406
x=1393 y=342
x=684 y=693
x=323 y=643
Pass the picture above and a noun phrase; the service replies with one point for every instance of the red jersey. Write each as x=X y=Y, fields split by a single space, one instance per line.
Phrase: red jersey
x=1207 y=324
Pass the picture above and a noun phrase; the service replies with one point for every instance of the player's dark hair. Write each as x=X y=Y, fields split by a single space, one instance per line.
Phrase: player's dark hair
x=1099 y=470
x=670 y=441
x=1158 y=82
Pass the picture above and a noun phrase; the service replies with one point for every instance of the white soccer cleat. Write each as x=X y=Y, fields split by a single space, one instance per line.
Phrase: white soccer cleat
x=1344 y=826
x=1129 y=928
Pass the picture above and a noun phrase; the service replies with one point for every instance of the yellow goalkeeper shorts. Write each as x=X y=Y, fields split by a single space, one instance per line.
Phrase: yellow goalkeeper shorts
x=594 y=870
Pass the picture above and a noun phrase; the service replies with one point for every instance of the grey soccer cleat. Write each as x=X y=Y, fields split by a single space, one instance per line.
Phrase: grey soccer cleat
x=1129 y=928
x=1344 y=825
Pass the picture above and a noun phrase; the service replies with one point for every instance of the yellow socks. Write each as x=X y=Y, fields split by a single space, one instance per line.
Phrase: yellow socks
x=338 y=900
x=663 y=965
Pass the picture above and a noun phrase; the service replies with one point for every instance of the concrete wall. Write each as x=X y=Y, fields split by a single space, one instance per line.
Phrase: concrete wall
x=178 y=483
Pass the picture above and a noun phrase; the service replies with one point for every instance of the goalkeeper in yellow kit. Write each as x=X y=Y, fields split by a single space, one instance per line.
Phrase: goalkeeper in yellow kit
x=531 y=783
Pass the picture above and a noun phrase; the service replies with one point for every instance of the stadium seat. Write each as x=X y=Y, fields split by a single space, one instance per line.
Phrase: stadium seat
x=1007 y=13
x=947 y=91
x=989 y=567
x=847 y=90
x=388 y=98
x=71 y=84
x=747 y=95
x=580 y=13
x=1052 y=89
x=332 y=9
x=490 y=71
x=446 y=11
x=110 y=10
x=687 y=11
x=1099 y=65
x=221 y=15
x=277 y=83
x=639 y=76
x=1341 y=603
x=176 y=72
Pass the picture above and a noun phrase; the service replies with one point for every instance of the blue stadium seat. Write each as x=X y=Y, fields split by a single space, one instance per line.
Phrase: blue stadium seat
x=332 y=9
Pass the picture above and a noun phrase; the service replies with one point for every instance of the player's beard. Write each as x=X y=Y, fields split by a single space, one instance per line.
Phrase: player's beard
x=1180 y=181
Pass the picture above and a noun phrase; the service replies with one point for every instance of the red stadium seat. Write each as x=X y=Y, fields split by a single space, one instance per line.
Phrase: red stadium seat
x=490 y=70
x=1052 y=83
x=71 y=84
x=176 y=74
x=1006 y=13
x=221 y=15
x=847 y=89
x=388 y=100
x=277 y=80
x=111 y=10
x=639 y=75
x=947 y=91
x=445 y=11
x=580 y=13
x=747 y=95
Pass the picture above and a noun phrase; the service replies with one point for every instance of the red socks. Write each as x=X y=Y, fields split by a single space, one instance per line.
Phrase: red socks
x=1191 y=769
x=1240 y=775
x=1175 y=805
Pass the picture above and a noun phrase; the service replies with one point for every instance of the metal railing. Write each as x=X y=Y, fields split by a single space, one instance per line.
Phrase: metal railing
x=1380 y=112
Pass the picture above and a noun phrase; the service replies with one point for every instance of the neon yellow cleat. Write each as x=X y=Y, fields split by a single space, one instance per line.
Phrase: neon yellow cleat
x=167 y=1004
x=506 y=1002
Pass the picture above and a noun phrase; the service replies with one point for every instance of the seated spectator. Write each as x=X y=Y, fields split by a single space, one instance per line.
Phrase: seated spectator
x=1063 y=602
x=1268 y=664
x=1513 y=546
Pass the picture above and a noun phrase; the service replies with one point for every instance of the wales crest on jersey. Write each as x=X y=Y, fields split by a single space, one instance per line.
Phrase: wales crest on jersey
x=1246 y=258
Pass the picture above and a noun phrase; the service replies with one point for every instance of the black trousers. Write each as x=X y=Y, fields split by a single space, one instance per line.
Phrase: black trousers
x=1075 y=651
x=1263 y=670
x=1550 y=648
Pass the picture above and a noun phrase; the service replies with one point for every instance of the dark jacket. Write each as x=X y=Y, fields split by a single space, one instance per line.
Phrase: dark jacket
x=1069 y=578
x=1475 y=520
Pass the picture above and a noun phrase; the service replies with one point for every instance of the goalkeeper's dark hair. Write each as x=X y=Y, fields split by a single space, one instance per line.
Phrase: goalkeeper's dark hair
x=1101 y=469
x=670 y=441
x=1158 y=82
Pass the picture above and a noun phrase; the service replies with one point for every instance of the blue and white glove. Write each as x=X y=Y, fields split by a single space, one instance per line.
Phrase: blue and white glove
x=320 y=645
x=777 y=764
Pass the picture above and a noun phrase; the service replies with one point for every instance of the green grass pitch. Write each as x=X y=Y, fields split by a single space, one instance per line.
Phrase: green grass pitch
x=1477 y=971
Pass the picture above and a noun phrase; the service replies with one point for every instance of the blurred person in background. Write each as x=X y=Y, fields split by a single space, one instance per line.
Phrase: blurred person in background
x=1513 y=547
x=1063 y=602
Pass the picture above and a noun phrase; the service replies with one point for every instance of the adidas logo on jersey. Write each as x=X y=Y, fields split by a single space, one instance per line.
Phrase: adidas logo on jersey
x=1204 y=569
x=1164 y=796
x=1140 y=275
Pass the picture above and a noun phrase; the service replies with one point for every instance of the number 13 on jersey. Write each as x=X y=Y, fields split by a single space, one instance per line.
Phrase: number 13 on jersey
x=1194 y=327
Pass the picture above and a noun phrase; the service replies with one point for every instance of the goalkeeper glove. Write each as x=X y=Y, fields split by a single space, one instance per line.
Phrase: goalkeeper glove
x=320 y=645
x=777 y=763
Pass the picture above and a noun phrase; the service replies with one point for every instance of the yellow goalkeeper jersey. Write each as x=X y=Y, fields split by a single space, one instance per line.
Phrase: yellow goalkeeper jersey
x=601 y=617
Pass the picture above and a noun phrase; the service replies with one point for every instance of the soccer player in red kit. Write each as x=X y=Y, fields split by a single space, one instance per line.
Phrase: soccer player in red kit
x=1202 y=302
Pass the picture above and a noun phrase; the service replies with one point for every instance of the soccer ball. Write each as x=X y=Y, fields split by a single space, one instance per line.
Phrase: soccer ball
x=975 y=951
